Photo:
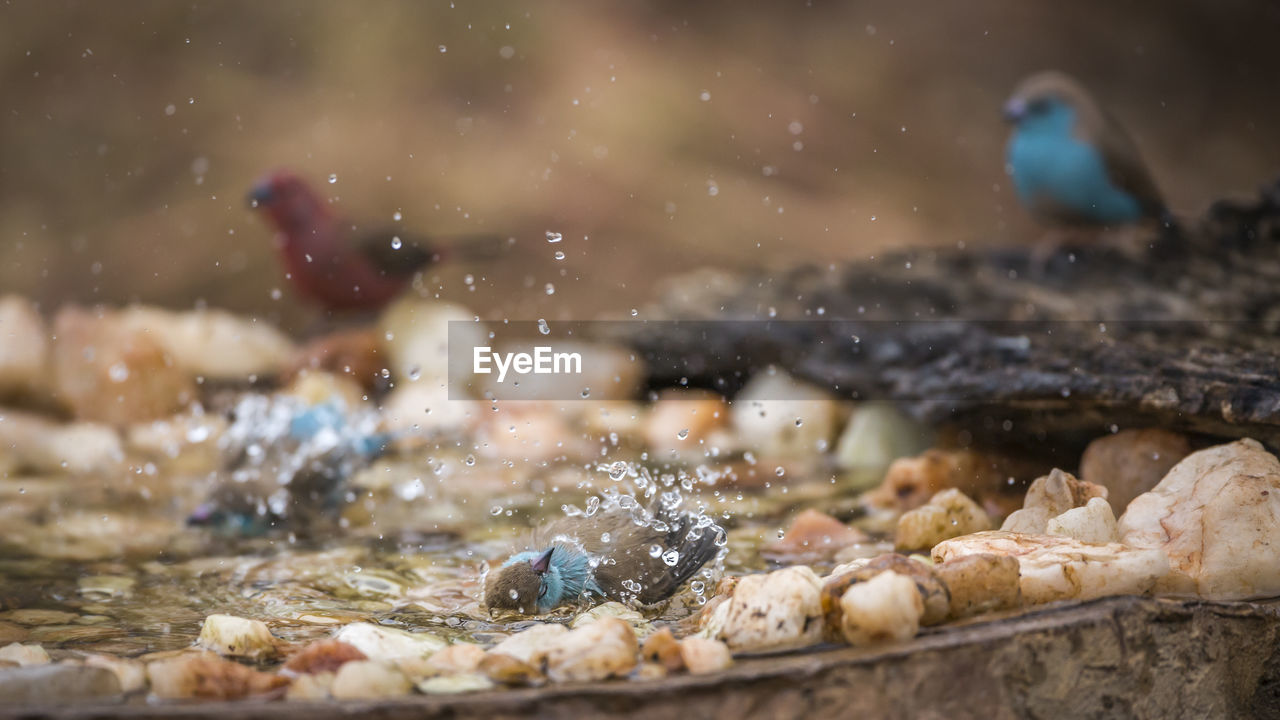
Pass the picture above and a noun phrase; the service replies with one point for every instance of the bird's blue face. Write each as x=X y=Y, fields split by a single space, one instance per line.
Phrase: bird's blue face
x=553 y=577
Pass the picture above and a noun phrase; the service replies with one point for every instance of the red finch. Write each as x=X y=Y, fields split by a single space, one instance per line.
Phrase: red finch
x=338 y=268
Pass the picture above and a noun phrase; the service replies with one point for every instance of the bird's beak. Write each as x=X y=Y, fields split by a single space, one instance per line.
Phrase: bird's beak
x=542 y=563
x=260 y=195
x=1014 y=110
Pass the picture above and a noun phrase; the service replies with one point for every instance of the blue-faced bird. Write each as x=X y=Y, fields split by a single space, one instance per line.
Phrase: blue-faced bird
x=1071 y=163
x=287 y=463
x=606 y=555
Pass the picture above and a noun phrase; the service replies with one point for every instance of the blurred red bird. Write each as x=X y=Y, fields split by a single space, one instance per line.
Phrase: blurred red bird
x=333 y=265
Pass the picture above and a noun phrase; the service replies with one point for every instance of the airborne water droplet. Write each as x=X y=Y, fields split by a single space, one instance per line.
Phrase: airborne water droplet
x=395 y=242
x=683 y=434
x=617 y=470
x=469 y=460
x=779 y=471
x=670 y=558
x=559 y=255
x=542 y=327
x=554 y=237
x=333 y=178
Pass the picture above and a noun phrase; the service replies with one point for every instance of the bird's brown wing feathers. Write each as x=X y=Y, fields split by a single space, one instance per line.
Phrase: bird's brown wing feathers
x=395 y=253
x=1126 y=168
x=416 y=252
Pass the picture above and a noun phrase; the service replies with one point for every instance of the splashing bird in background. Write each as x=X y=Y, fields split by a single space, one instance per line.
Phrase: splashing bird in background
x=338 y=269
x=287 y=466
x=605 y=555
x=1071 y=163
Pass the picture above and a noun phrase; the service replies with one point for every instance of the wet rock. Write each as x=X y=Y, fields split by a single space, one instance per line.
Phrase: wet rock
x=108 y=372
x=981 y=583
x=702 y=655
x=213 y=344
x=531 y=644
x=131 y=674
x=322 y=656
x=205 y=675
x=886 y=608
x=812 y=537
x=1049 y=497
x=779 y=416
x=106 y=586
x=1093 y=523
x=602 y=649
x=662 y=648
x=24 y=349
x=24 y=655
x=389 y=644
x=507 y=670
x=12 y=633
x=1060 y=568
x=876 y=435
x=46 y=685
x=369 y=680
x=356 y=355
x=686 y=422
x=415 y=334
x=1217 y=516
x=948 y=514
x=781 y=609
x=638 y=622
x=237 y=637
x=910 y=482
x=453 y=684
x=39 y=616
x=1131 y=462
x=457 y=658
x=310 y=687
x=42 y=446
x=934 y=596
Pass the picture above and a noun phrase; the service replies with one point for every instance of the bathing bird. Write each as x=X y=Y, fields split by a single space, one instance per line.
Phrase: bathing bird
x=607 y=555
x=1071 y=163
x=287 y=464
x=335 y=266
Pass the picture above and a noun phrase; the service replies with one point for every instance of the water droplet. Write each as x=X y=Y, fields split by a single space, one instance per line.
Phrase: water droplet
x=586 y=392
x=551 y=289
x=670 y=558
x=779 y=471
x=554 y=237
x=683 y=434
x=443 y=48
x=395 y=242
x=617 y=470
x=515 y=594
x=559 y=255
x=415 y=372
x=635 y=312
x=470 y=460
x=799 y=422
x=605 y=537
x=397 y=216
x=333 y=178
x=496 y=510
x=543 y=327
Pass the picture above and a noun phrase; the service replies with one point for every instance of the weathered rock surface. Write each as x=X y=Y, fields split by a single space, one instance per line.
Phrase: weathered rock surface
x=1217 y=516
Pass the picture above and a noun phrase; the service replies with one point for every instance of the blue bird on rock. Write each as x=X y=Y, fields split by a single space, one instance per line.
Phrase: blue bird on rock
x=1071 y=163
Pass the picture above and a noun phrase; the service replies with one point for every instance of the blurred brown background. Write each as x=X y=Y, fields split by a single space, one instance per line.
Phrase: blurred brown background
x=655 y=136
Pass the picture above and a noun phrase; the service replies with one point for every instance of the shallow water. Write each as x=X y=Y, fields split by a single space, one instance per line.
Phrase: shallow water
x=113 y=558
